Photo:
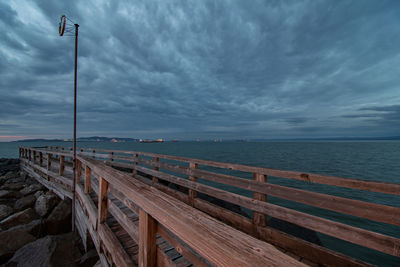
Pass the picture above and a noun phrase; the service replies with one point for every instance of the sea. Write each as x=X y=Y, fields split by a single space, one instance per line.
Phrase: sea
x=368 y=160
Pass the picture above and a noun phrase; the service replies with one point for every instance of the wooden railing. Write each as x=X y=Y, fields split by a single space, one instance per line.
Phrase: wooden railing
x=201 y=239
x=158 y=170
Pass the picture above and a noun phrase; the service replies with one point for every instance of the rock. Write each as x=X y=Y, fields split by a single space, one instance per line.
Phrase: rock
x=56 y=250
x=11 y=174
x=5 y=211
x=45 y=203
x=13 y=186
x=38 y=194
x=59 y=220
x=89 y=259
x=31 y=189
x=14 y=238
x=9 y=194
x=21 y=217
x=24 y=202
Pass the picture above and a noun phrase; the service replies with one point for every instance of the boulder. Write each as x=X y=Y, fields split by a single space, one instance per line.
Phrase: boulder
x=11 y=175
x=18 y=218
x=9 y=194
x=31 y=189
x=89 y=259
x=5 y=211
x=24 y=202
x=59 y=220
x=38 y=194
x=45 y=203
x=56 y=250
x=13 y=186
x=14 y=238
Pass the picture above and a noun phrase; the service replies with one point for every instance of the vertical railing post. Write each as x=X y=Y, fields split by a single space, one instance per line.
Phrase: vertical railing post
x=147 y=240
x=40 y=159
x=61 y=170
x=103 y=201
x=135 y=163
x=30 y=155
x=192 y=193
x=259 y=218
x=94 y=153
x=87 y=179
x=78 y=171
x=111 y=156
x=155 y=179
x=34 y=156
x=48 y=161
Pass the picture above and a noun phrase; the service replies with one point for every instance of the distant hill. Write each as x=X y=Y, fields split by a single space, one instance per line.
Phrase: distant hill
x=86 y=139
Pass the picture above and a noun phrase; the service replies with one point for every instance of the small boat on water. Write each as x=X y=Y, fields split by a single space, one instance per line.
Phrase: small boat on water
x=151 y=141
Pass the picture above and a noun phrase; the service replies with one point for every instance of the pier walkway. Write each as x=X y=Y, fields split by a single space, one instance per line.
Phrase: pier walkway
x=146 y=209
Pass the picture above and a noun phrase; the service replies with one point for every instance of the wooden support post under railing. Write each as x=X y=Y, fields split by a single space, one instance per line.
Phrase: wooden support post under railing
x=111 y=156
x=147 y=240
x=62 y=166
x=156 y=160
x=259 y=218
x=103 y=201
x=40 y=159
x=78 y=171
x=192 y=193
x=135 y=163
x=94 y=154
x=48 y=161
x=34 y=156
x=30 y=155
x=87 y=179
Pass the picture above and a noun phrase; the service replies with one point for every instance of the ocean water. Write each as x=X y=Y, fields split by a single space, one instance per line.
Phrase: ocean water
x=369 y=160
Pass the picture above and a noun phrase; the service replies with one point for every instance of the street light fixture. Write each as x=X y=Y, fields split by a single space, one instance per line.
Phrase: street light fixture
x=66 y=27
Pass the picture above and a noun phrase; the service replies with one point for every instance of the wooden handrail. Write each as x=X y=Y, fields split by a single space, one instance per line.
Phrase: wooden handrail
x=374 y=186
x=151 y=165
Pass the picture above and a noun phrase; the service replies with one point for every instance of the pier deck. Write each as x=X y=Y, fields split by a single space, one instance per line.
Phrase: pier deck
x=133 y=216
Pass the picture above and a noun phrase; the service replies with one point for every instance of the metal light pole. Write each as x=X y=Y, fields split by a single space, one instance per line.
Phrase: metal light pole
x=62 y=30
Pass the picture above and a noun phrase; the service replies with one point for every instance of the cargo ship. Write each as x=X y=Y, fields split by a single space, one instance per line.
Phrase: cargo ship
x=151 y=141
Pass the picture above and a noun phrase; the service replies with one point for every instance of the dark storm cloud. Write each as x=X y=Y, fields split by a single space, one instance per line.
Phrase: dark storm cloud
x=208 y=69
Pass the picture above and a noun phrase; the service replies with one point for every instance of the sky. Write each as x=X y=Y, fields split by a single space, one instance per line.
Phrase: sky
x=201 y=69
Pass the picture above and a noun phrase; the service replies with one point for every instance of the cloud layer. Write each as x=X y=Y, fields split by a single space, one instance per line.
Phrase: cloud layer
x=202 y=69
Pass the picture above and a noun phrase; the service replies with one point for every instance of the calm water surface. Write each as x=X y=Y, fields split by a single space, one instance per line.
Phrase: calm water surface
x=369 y=160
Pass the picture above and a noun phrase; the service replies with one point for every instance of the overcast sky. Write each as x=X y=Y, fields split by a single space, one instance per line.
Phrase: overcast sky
x=201 y=69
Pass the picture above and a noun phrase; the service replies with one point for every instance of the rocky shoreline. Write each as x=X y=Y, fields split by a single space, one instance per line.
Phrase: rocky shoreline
x=35 y=224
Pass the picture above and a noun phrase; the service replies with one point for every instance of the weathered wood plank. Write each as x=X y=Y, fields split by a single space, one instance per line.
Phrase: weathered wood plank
x=147 y=240
x=192 y=193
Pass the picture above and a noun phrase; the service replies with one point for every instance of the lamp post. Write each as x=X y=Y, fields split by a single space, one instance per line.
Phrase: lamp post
x=62 y=29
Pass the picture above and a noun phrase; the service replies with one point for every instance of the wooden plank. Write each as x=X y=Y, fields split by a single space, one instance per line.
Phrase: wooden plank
x=62 y=193
x=48 y=161
x=103 y=201
x=135 y=163
x=87 y=179
x=89 y=206
x=147 y=240
x=129 y=226
x=380 y=242
x=259 y=218
x=40 y=158
x=163 y=260
x=192 y=193
x=78 y=171
x=180 y=248
x=114 y=247
x=218 y=243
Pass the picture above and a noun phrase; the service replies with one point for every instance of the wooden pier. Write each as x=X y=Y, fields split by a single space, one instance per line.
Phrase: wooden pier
x=147 y=209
